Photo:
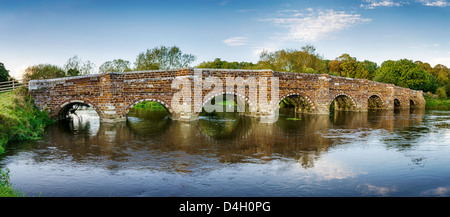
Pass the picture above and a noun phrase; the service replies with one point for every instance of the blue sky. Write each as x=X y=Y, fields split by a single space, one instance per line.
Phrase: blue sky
x=50 y=31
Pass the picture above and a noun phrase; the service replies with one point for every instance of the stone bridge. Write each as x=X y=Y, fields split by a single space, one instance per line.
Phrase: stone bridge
x=184 y=92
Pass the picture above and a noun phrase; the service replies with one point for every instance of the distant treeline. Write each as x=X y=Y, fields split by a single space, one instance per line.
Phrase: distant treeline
x=416 y=75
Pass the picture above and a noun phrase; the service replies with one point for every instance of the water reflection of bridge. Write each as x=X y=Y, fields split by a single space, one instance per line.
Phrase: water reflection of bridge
x=235 y=140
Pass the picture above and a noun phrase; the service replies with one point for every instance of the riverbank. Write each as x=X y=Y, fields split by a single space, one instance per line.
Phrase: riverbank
x=20 y=120
x=433 y=102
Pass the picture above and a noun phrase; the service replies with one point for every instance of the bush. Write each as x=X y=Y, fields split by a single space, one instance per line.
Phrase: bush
x=19 y=118
x=441 y=93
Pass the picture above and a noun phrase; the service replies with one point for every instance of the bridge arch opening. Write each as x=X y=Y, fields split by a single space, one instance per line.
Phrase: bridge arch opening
x=78 y=116
x=412 y=104
x=148 y=109
x=224 y=103
x=397 y=103
x=374 y=102
x=76 y=108
x=296 y=102
x=342 y=102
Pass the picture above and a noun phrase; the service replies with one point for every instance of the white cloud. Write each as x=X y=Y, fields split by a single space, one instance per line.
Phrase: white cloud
x=435 y=3
x=440 y=191
x=380 y=3
x=440 y=60
x=236 y=41
x=224 y=2
x=18 y=72
x=369 y=189
x=314 y=25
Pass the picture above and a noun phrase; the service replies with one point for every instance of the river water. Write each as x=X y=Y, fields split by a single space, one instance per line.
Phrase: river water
x=377 y=153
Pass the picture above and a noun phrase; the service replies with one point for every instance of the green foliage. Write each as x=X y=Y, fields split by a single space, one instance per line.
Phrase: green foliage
x=154 y=106
x=20 y=119
x=75 y=66
x=163 y=58
x=433 y=102
x=405 y=73
x=6 y=187
x=117 y=65
x=43 y=71
x=222 y=64
x=441 y=93
x=348 y=66
x=291 y=60
x=4 y=74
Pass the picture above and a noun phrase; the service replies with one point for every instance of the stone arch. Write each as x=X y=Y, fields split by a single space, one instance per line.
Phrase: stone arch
x=343 y=101
x=412 y=103
x=131 y=105
x=304 y=101
x=375 y=102
x=397 y=103
x=65 y=108
x=237 y=96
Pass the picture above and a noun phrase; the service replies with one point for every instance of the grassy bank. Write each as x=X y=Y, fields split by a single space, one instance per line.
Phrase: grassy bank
x=434 y=102
x=6 y=189
x=19 y=120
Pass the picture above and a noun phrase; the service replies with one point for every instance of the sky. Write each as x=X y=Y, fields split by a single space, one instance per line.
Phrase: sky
x=52 y=31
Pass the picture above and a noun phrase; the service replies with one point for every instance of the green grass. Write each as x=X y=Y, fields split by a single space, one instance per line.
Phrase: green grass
x=6 y=188
x=435 y=103
x=154 y=106
x=20 y=120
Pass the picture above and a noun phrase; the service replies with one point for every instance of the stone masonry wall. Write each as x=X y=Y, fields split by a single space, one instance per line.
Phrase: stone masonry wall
x=113 y=94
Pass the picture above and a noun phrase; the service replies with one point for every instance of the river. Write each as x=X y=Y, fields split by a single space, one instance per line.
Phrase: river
x=346 y=154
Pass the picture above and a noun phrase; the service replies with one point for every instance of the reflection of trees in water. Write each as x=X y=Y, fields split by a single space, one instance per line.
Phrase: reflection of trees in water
x=409 y=129
x=152 y=141
x=224 y=125
x=144 y=121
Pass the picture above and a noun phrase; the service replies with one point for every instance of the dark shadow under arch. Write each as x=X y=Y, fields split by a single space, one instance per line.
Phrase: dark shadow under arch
x=225 y=102
x=342 y=102
x=299 y=102
x=374 y=102
x=397 y=103
x=70 y=107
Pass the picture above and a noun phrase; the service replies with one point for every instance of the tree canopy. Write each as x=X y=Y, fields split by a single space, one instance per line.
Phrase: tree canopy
x=405 y=73
x=4 y=74
x=222 y=64
x=163 y=58
x=43 y=71
x=75 y=66
x=292 y=60
x=117 y=65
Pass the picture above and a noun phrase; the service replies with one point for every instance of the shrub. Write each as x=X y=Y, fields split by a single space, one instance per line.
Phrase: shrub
x=441 y=93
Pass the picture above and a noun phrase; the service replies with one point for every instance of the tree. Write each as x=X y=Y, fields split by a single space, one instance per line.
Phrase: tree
x=163 y=58
x=291 y=60
x=43 y=71
x=222 y=64
x=334 y=67
x=348 y=65
x=75 y=66
x=441 y=93
x=441 y=73
x=4 y=74
x=405 y=73
x=117 y=65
